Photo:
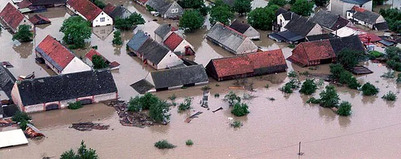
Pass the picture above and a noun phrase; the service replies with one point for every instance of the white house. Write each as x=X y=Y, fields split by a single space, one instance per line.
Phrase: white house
x=90 y=12
x=367 y=18
x=57 y=57
x=341 y=6
x=179 y=45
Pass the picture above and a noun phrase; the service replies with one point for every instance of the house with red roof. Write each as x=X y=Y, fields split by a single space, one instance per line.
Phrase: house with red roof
x=178 y=45
x=58 y=58
x=246 y=65
x=11 y=18
x=90 y=12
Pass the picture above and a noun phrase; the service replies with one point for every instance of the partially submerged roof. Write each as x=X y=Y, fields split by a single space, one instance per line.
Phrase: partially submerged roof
x=179 y=76
x=300 y=26
x=381 y=26
x=54 y=52
x=267 y=59
x=47 y=2
x=142 y=86
x=12 y=138
x=369 y=37
x=91 y=53
x=319 y=37
x=350 y=42
x=137 y=40
x=160 y=6
x=7 y=81
x=66 y=86
x=329 y=20
x=24 y=4
x=173 y=41
x=231 y=66
x=240 y=26
x=120 y=12
x=109 y=8
x=226 y=36
x=287 y=36
x=317 y=50
x=89 y=10
x=11 y=16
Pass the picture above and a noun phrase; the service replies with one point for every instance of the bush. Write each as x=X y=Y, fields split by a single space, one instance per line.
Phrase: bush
x=292 y=74
x=262 y=18
x=191 y=20
x=75 y=105
x=267 y=86
x=20 y=116
x=216 y=95
x=388 y=74
x=302 y=7
x=189 y=142
x=344 y=109
x=329 y=97
x=99 y=62
x=236 y=124
x=313 y=100
x=308 y=87
x=399 y=78
x=290 y=86
x=23 y=34
x=164 y=144
x=99 y=3
x=369 y=89
x=159 y=112
x=129 y=22
x=376 y=54
x=117 y=38
x=82 y=153
x=134 y=104
x=390 y=96
x=172 y=97
x=186 y=105
x=76 y=30
x=349 y=58
x=232 y=98
x=240 y=109
x=343 y=76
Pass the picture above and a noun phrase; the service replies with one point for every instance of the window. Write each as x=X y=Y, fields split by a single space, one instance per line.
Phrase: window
x=102 y=19
x=175 y=10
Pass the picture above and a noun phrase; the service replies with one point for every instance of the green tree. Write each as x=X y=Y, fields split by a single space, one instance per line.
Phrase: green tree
x=393 y=18
x=349 y=58
x=329 y=97
x=242 y=6
x=232 y=98
x=191 y=3
x=240 y=109
x=390 y=96
x=142 y=103
x=164 y=144
x=220 y=12
x=134 y=104
x=98 y=62
x=277 y=2
x=23 y=34
x=302 y=7
x=82 y=153
x=262 y=18
x=320 y=3
x=344 y=109
x=99 y=3
x=117 y=38
x=185 y=105
x=75 y=30
x=129 y=22
x=378 y=2
x=369 y=89
x=308 y=87
x=159 y=112
x=191 y=20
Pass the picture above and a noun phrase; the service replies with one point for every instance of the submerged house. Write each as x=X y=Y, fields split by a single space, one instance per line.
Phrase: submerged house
x=367 y=18
x=173 y=78
x=163 y=31
x=116 y=12
x=323 y=51
x=178 y=45
x=11 y=18
x=245 y=29
x=151 y=52
x=230 y=39
x=341 y=7
x=58 y=58
x=166 y=8
x=330 y=21
x=90 y=12
x=246 y=65
x=56 y=92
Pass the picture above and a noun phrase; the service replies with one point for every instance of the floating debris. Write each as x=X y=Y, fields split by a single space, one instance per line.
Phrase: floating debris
x=193 y=116
x=218 y=109
x=7 y=123
x=137 y=119
x=89 y=126
x=33 y=132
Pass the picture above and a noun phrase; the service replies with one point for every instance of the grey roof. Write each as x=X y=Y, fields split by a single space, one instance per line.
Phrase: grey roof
x=160 y=6
x=320 y=37
x=163 y=30
x=1 y=111
x=153 y=51
x=300 y=25
x=120 y=12
x=47 y=2
x=287 y=36
x=137 y=40
x=179 y=76
x=240 y=26
x=327 y=19
x=360 y=2
x=381 y=26
x=366 y=16
x=142 y=86
x=66 y=86
x=281 y=11
x=7 y=81
x=226 y=36
x=349 y=42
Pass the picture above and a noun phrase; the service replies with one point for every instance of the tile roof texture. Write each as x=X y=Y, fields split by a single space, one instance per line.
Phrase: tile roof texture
x=54 y=52
x=153 y=51
x=47 y=2
x=240 y=26
x=317 y=50
x=163 y=30
x=92 y=52
x=89 y=10
x=329 y=20
x=160 y=6
x=349 y=42
x=300 y=26
x=24 y=4
x=173 y=41
x=267 y=59
x=369 y=37
x=120 y=12
x=7 y=81
x=137 y=40
x=365 y=15
x=39 y=19
x=11 y=16
x=109 y=8
x=381 y=26
x=179 y=76
x=66 y=86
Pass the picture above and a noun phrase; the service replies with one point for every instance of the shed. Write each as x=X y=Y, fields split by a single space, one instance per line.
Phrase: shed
x=12 y=138
x=313 y=53
x=38 y=19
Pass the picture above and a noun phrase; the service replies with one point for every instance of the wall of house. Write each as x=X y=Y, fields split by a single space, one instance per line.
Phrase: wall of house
x=247 y=47
x=251 y=33
x=282 y=22
x=34 y=108
x=181 y=47
x=169 y=60
x=76 y=65
x=88 y=62
x=174 y=12
x=102 y=20
x=105 y=97
x=316 y=30
x=380 y=19
x=16 y=96
x=64 y=103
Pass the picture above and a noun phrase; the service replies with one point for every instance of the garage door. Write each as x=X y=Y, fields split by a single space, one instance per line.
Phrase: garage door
x=52 y=107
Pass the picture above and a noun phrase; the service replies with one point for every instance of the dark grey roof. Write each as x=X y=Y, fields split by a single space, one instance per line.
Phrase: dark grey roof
x=7 y=81
x=360 y=2
x=179 y=76
x=300 y=25
x=381 y=26
x=137 y=40
x=120 y=12
x=47 y=2
x=153 y=51
x=350 y=42
x=226 y=36
x=1 y=111
x=163 y=30
x=66 y=86
x=320 y=37
x=281 y=11
x=325 y=19
x=10 y=110
x=240 y=26
x=160 y=6
x=287 y=36
x=387 y=43
x=142 y=86
x=366 y=16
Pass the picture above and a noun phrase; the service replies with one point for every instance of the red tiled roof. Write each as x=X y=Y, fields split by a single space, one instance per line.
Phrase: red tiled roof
x=173 y=41
x=358 y=9
x=11 y=16
x=24 y=4
x=92 y=52
x=369 y=37
x=232 y=66
x=317 y=50
x=267 y=58
x=57 y=52
x=37 y=18
x=109 y=8
x=89 y=10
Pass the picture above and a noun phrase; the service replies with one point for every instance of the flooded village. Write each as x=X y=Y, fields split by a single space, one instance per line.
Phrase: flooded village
x=196 y=73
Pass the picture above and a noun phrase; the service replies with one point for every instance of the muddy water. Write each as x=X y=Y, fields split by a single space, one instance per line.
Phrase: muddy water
x=272 y=129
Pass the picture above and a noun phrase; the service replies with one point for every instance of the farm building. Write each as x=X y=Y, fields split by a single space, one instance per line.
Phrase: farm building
x=246 y=65
x=166 y=9
x=178 y=45
x=11 y=18
x=367 y=18
x=58 y=58
x=90 y=12
x=245 y=29
x=56 y=92
x=7 y=81
x=230 y=39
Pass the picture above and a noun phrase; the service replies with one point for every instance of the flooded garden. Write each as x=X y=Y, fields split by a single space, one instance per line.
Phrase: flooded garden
x=277 y=121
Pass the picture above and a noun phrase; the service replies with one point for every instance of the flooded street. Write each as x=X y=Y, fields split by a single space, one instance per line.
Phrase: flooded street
x=271 y=130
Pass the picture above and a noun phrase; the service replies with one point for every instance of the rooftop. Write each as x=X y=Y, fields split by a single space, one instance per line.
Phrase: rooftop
x=89 y=10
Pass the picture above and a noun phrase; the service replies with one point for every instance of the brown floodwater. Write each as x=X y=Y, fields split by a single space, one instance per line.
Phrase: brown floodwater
x=272 y=129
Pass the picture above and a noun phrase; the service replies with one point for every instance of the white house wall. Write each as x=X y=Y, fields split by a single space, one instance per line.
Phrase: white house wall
x=34 y=108
x=169 y=60
x=107 y=20
x=105 y=97
x=316 y=30
x=247 y=47
x=65 y=103
x=76 y=65
x=251 y=33
x=281 y=21
x=16 y=96
x=182 y=45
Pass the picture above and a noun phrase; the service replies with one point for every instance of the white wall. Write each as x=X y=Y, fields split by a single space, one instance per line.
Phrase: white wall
x=34 y=108
x=169 y=60
x=65 y=103
x=317 y=29
x=182 y=45
x=251 y=33
x=107 y=20
x=105 y=97
x=76 y=65
x=16 y=96
x=247 y=47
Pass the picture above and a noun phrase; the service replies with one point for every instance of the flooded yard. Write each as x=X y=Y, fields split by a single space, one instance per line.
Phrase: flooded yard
x=273 y=129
